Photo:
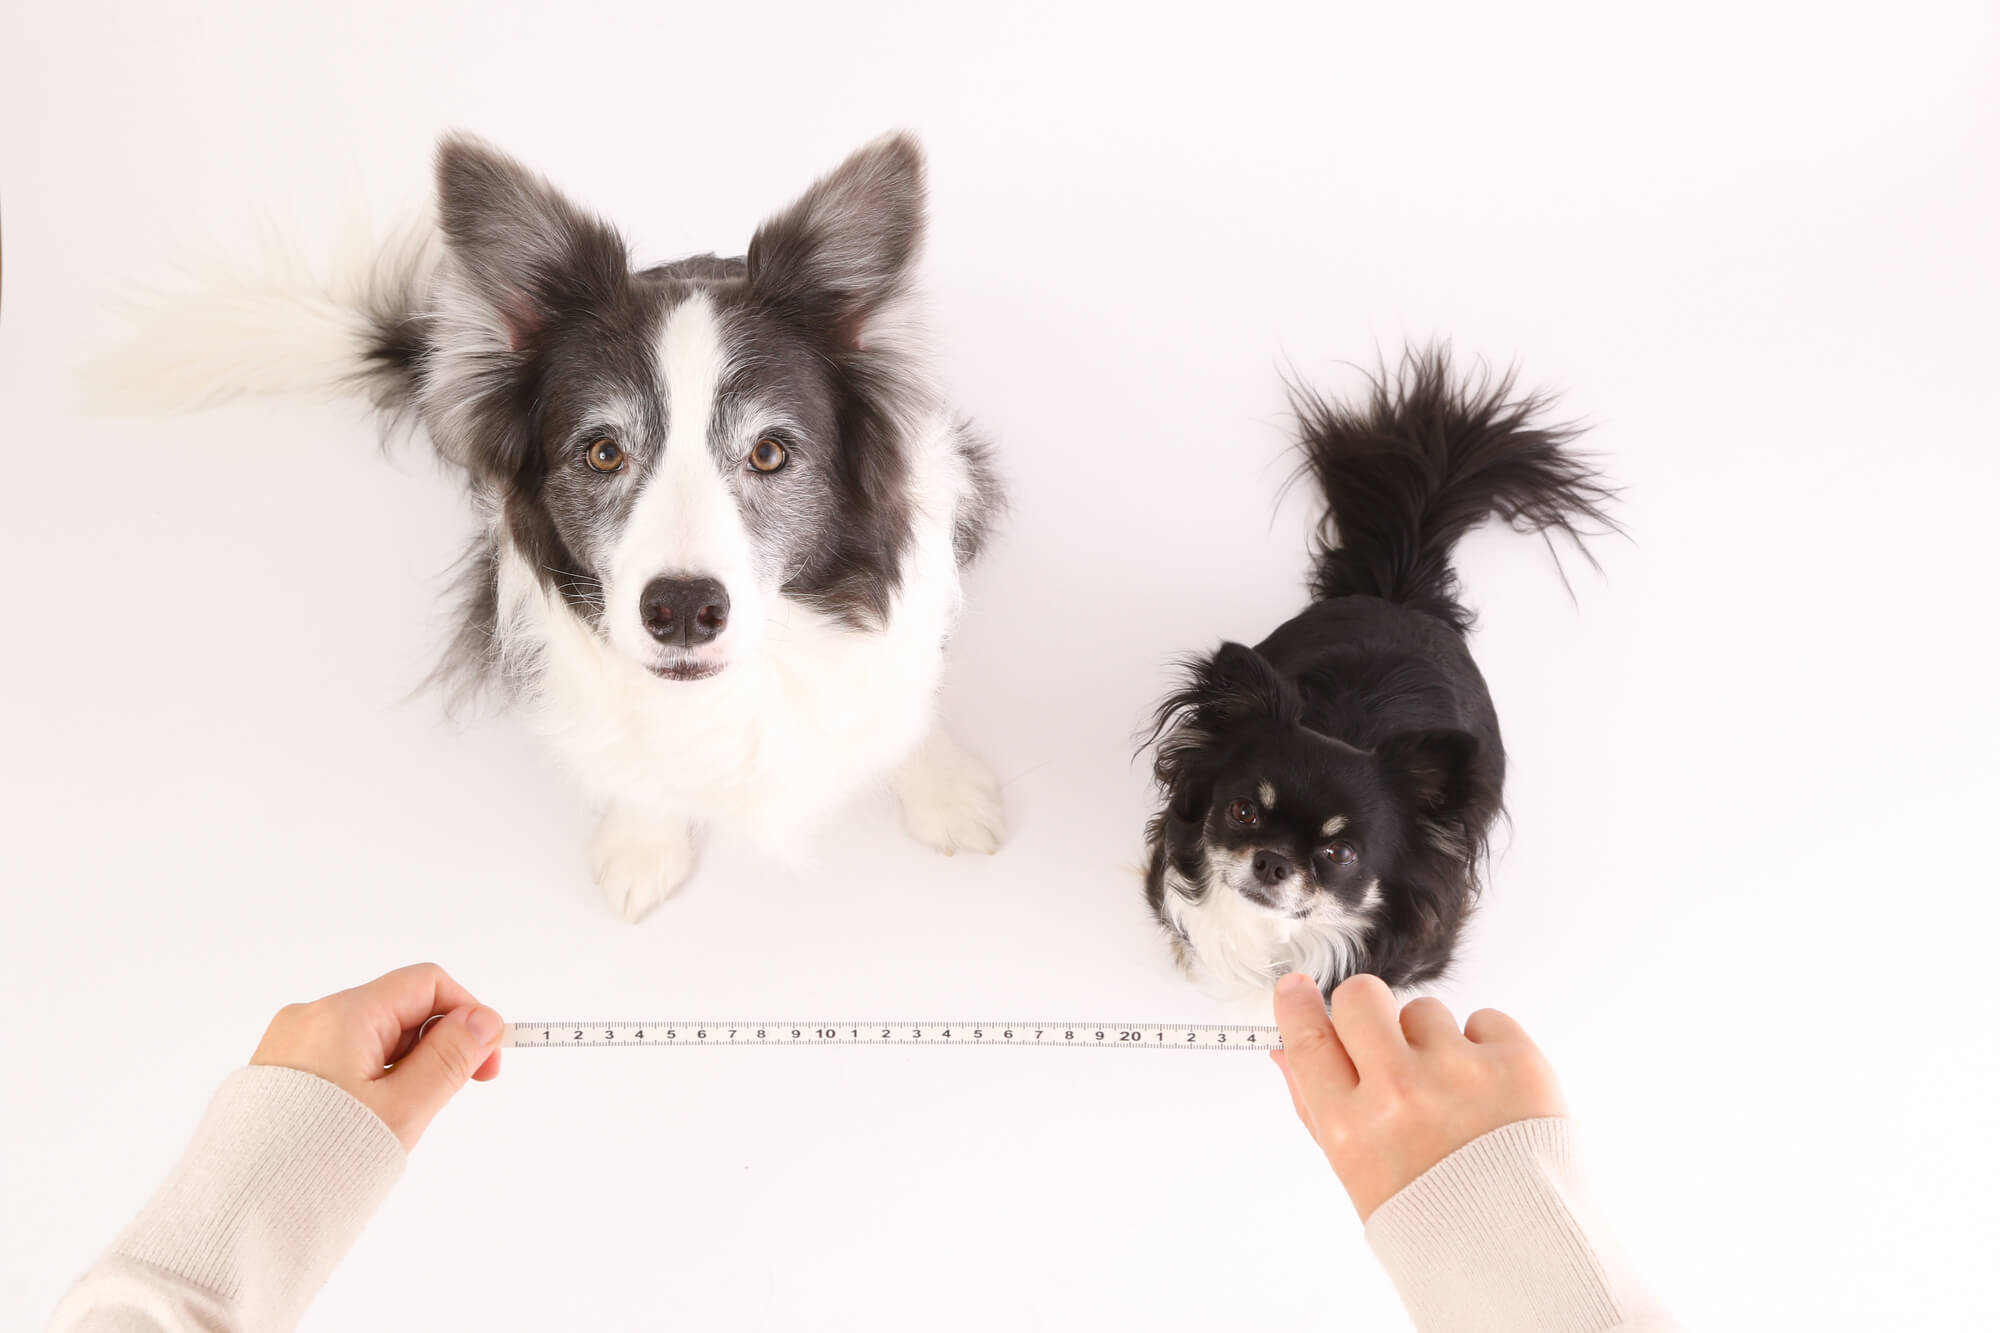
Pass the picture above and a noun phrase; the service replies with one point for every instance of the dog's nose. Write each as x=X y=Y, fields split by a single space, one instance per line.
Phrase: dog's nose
x=684 y=612
x=1271 y=869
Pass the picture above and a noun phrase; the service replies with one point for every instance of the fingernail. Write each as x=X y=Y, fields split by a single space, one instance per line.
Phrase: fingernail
x=1296 y=983
x=485 y=1025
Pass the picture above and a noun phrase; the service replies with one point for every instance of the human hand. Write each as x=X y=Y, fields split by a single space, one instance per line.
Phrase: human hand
x=1388 y=1097
x=348 y=1039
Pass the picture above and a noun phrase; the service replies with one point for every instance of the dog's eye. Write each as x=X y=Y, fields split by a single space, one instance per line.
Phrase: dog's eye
x=604 y=455
x=768 y=456
x=1338 y=853
x=1242 y=812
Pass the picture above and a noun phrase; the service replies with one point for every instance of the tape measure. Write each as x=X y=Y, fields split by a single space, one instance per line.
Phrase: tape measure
x=796 y=1032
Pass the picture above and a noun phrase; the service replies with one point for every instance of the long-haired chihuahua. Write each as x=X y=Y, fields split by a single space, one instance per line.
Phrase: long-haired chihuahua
x=1329 y=792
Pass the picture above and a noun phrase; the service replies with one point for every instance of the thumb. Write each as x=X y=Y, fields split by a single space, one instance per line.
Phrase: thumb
x=431 y=1074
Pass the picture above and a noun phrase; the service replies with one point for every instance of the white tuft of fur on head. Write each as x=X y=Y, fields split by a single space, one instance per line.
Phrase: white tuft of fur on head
x=687 y=521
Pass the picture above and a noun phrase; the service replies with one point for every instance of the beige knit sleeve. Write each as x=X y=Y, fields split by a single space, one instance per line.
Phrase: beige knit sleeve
x=1500 y=1237
x=282 y=1175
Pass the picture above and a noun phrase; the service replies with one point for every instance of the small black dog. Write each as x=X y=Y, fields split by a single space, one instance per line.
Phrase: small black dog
x=1329 y=792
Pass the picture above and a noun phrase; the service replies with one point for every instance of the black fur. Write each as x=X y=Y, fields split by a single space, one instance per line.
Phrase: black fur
x=1367 y=706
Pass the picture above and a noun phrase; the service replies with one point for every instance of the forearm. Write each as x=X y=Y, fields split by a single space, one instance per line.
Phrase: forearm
x=282 y=1175
x=1500 y=1236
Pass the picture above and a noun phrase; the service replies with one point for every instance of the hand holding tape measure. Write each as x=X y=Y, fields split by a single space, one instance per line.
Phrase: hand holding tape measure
x=402 y=1045
x=405 y=1043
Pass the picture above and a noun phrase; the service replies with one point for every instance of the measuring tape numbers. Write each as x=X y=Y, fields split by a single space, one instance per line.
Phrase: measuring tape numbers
x=573 y=1033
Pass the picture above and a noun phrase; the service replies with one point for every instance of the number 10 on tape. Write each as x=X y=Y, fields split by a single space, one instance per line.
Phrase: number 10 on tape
x=819 y=1032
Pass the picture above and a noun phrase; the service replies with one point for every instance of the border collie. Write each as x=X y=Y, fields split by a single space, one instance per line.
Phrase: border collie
x=723 y=503
x=1328 y=793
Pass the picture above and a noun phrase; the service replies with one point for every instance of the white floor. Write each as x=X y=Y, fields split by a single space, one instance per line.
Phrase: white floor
x=1748 y=899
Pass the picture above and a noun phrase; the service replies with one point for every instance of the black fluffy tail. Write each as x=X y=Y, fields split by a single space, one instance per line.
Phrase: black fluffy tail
x=1424 y=461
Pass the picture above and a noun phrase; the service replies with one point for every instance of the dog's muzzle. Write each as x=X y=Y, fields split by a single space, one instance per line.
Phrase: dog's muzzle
x=1274 y=883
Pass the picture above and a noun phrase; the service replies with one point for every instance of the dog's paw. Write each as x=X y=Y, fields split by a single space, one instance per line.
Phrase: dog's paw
x=950 y=800
x=640 y=866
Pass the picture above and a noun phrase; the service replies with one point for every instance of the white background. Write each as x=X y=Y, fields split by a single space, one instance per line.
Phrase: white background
x=1746 y=903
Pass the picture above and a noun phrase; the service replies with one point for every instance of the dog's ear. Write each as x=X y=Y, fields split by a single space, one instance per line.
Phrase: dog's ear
x=1432 y=770
x=1246 y=686
x=522 y=252
x=843 y=253
x=1235 y=685
x=1189 y=795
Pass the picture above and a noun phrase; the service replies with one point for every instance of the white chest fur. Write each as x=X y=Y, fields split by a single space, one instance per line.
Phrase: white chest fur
x=1235 y=947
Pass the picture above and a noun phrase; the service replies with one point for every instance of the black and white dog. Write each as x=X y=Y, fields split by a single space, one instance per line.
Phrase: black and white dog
x=1329 y=792
x=724 y=503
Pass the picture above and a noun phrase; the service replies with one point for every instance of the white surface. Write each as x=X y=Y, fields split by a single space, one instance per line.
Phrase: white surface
x=1747 y=904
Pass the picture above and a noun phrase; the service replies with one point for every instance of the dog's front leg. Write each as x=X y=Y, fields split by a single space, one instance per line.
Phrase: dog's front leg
x=950 y=800
x=640 y=857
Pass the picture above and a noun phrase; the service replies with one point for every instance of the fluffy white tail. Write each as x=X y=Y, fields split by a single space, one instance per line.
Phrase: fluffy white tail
x=271 y=323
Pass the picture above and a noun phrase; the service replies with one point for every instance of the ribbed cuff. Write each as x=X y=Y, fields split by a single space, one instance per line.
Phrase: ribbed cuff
x=282 y=1175
x=1498 y=1237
